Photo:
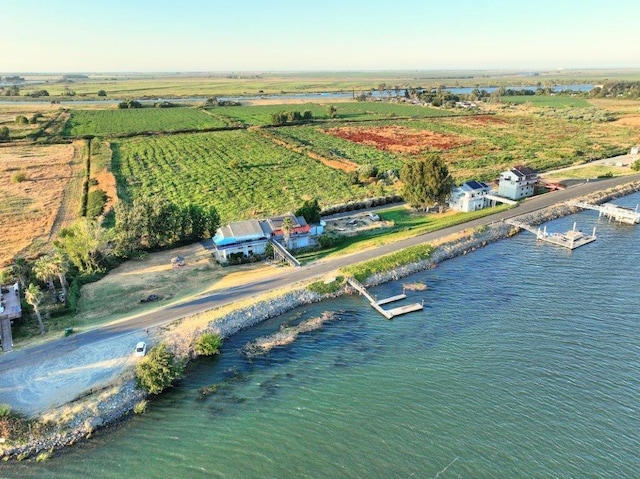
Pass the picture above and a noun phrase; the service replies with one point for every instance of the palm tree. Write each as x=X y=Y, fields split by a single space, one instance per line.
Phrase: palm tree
x=21 y=270
x=34 y=296
x=60 y=266
x=287 y=228
x=44 y=270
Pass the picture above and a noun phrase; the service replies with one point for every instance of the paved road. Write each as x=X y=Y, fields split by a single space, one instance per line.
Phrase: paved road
x=289 y=276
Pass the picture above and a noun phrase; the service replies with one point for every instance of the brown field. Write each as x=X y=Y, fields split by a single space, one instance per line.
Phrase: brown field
x=633 y=121
x=31 y=209
x=399 y=139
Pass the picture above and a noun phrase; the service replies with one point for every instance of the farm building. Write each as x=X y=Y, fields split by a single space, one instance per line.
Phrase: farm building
x=10 y=309
x=517 y=183
x=250 y=237
x=470 y=196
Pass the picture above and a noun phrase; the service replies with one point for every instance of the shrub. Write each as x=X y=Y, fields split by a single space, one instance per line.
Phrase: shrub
x=21 y=120
x=141 y=407
x=208 y=344
x=96 y=200
x=18 y=177
x=5 y=410
x=320 y=287
x=44 y=456
x=158 y=370
x=635 y=166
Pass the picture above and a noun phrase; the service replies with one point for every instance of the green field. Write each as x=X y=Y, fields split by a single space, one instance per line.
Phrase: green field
x=240 y=172
x=349 y=111
x=558 y=101
x=113 y=122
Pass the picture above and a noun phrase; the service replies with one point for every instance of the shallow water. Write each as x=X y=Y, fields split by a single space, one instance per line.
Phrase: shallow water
x=524 y=363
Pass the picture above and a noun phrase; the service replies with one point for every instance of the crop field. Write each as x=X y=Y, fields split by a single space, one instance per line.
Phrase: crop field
x=138 y=120
x=478 y=147
x=351 y=111
x=241 y=173
x=558 y=101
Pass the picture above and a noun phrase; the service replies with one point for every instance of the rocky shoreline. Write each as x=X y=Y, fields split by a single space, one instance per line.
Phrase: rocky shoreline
x=115 y=403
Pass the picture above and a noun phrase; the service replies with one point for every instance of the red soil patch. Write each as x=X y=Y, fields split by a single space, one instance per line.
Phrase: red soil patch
x=399 y=139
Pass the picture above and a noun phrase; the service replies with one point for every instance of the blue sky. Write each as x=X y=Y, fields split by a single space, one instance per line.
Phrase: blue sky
x=251 y=35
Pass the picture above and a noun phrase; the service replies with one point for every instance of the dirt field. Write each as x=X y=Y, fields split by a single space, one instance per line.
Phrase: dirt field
x=399 y=139
x=29 y=208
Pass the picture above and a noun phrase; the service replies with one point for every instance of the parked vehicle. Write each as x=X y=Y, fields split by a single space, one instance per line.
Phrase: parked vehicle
x=141 y=349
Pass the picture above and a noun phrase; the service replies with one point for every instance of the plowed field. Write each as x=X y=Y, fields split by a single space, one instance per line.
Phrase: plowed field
x=399 y=139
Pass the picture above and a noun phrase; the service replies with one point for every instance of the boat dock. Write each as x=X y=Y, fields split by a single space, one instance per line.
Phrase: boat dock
x=612 y=211
x=571 y=239
x=377 y=305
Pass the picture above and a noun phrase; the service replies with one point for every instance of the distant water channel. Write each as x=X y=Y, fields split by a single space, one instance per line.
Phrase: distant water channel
x=524 y=364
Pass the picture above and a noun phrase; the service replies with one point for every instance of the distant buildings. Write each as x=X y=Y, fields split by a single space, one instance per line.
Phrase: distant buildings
x=251 y=237
x=517 y=183
x=470 y=196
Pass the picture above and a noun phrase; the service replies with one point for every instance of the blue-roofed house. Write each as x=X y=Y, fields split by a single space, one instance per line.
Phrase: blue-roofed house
x=470 y=196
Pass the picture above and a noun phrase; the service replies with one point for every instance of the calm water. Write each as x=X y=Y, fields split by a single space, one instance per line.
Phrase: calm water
x=524 y=364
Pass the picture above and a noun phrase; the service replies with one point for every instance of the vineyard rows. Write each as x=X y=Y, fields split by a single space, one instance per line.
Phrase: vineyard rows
x=239 y=172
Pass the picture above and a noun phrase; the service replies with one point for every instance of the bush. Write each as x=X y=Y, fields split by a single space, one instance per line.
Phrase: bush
x=635 y=166
x=96 y=201
x=158 y=370
x=21 y=120
x=208 y=344
x=18 y=177
x=5 y=410
x=141 y=407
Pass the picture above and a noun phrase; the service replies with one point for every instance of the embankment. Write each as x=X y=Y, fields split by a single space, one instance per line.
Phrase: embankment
x=110 y=405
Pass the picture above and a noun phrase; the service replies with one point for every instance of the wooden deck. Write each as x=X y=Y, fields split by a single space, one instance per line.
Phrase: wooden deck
x=375 y=304
x=571 y=239
x=611 y=211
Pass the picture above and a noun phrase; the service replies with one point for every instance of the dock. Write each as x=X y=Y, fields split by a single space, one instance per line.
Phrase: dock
x=377 y=304
x=612 y=211
x=571 y=239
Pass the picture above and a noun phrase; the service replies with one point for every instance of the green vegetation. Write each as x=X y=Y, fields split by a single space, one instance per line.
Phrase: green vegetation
x=635 y=166
x=158 y=369
x=208 y=344
x=241 y=173
x=122 y=122
x=310 y=210
x=556 y=101
x=362 y=271
x=141 y=407
x=18 y=177
x=96 y=201
x=426 y=181
x=323 y=287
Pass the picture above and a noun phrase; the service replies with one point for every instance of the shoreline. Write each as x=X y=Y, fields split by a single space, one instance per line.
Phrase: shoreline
x=115 y=403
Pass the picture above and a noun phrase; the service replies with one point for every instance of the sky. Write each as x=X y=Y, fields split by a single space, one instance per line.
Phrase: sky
x=303 y=35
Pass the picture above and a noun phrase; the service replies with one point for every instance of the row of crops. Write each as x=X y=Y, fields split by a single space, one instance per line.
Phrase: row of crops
x=140 y=120
x=240 y=172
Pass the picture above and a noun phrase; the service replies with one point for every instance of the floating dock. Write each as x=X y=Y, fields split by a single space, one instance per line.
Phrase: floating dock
x=377 y=305
x=571 y=239
x=612 y=211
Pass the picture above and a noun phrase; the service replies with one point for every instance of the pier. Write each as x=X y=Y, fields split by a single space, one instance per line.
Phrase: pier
x=571 y=239
x=611 y=211
x=377 y=305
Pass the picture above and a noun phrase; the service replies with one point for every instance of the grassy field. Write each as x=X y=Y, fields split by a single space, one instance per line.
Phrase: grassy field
x=241 y=173
x=557 y=101
x=46 y=197
x=109 y=122
x=351 y=111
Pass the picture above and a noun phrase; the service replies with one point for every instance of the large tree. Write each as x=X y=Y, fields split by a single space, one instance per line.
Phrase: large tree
x=84 y=243
x=45 y=271
x=426 y=181
x=310 y=210
x=60 y=266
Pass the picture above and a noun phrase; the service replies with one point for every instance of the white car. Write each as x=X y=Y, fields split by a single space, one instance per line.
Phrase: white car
x=141 y=348
x=374 y=217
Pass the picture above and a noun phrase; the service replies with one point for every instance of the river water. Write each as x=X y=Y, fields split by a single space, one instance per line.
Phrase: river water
x=525 y=363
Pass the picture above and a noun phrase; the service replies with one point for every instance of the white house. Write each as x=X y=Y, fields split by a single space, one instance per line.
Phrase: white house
x=470 y=196
x=517 y=183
